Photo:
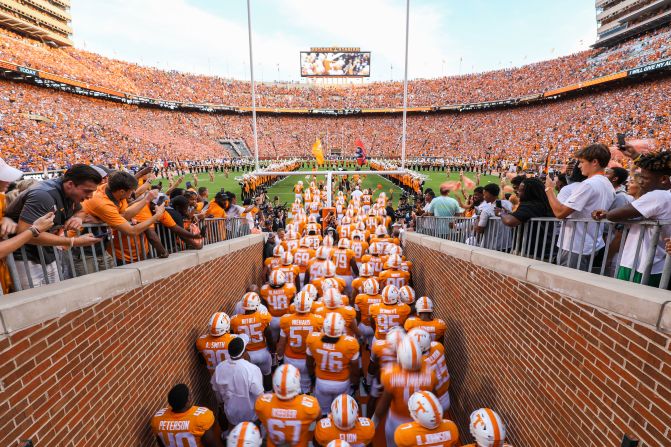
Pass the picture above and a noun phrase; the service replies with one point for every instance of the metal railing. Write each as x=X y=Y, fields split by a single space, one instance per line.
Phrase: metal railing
x=593 y=246
x=33 y=266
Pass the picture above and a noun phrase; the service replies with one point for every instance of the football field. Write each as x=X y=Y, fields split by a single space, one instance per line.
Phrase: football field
x=284 y=187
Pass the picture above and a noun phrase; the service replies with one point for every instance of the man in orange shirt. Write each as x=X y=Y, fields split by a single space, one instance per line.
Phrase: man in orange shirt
x=256 y=326
x=333 y=358
x=424 y=320
x=394 y=276
x=344 y=423
x=216 y=208
x=213 y=347
x=389 y=313
x=295 y=328
x=346 y=268
x=286 y=414
x=302 y=256
x=428 y=428
x=183 y=424
x=277 y=295
x=400 y=381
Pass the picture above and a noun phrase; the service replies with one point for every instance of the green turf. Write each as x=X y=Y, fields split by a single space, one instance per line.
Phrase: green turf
x=284 y=188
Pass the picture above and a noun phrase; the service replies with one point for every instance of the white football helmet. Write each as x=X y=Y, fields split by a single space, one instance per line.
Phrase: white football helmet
x=322 y=253
x=394 y=262
x=332 y=299
x=423 y=338
x=311 y=289
x=371 y=286
x=287 y=382
x=338 y=443
x=287 y=259
x=251 y=301
x=395 y=336
x=409 y=354
x=346 y=220
x=366 y=270
x=425 y=409
x=424 y=304
x=334 y=325
x=303 y=302
x=406 y=295
x=278 y=251
x=277 y=278
x=343 y=243
x=380 y=231
x=393 y=249
x=390 y=295
x=245 y=434
x=345 y=412
x=375 y=249
x=329 y=283
x=327 y=242
x=220 y=324
x=328 y=269
x=487 y=428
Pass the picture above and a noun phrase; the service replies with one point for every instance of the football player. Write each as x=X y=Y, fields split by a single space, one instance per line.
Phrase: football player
x=302 y=256
x=369 y=296
x=487 y=429
x=345 y=424
x=359 y=246
x=394 y=276
x=245 y=434
x=424 y=320
x=294 y=331
x=428 y=428
x=334 y=302
x=183 y=424
x=434 y=356
x=382 y=354
x=274 y=261
x=327 y=271
x=389 y=313
x=277 y=294
x=365 y=272
x=286 y=414
x=345 y=262
x=213 y=347
x=256 y=325
x=333 y=358
x=315 y=265
x=400 y=381
x=373 y=258
x=290 y=270
x=406 y=295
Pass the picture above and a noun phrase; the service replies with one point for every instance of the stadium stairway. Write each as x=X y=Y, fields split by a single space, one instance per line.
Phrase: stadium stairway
x=565 y=357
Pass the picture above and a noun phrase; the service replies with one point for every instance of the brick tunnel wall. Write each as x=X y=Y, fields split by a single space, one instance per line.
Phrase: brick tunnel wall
x=96 y=376
x=558 y=371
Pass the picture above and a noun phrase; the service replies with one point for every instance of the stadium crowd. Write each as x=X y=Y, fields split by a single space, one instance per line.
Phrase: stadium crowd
x=488 y=86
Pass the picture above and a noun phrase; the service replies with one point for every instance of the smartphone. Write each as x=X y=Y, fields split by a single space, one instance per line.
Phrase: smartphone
x=160 y=200
x=105 y=235
x=498 y=204
x=188 y=185
x=620 y=141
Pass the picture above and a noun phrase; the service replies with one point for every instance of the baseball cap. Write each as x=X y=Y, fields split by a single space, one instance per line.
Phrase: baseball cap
x=7 y=173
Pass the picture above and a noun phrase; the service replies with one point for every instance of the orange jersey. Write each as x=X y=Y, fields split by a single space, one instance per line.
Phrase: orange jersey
x=182 y=428
x=315 y=268
x=214 y=349
x=291 y=272
x=347 y=312
x=318 y=284
x=406 y=266
x=359 y=248
x=313 y=241
x=388 y=316
x=296 y=328
x=298 y=189
x=397 y=278
x=343 y=259
x=287 y=421
x=413 y=434
x=362 y=303
x=332 y=360
x=315 y=309
x=436 y=328
x=291 y=245
x=360 y=435
x=302 y=257
x=273 y=262
x=376 y=262
x=402 y=384
x=435 y=359
x=345 y=231
x=253 y=325
x=382 y=353
x=278 y=299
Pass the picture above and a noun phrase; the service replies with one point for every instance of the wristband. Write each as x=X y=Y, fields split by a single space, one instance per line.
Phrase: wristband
x=35 y=231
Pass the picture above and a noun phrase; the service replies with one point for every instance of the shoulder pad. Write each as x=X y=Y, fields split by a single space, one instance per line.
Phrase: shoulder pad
x=364 y=422
x=161 y=412
x=266 y=397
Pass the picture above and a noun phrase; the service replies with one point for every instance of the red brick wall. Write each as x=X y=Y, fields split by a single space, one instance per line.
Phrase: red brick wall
x=96 y=376
x=559 y=372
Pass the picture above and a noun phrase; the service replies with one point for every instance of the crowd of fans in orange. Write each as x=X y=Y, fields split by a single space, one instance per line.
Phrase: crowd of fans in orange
x=172 y=85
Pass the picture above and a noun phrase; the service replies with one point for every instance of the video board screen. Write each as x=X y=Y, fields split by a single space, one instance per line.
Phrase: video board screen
x=333 y=63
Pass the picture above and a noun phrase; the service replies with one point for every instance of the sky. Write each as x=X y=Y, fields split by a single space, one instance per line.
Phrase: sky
x=447 y=37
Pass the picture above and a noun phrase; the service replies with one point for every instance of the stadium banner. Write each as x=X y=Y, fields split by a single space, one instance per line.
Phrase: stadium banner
x=655 y=66
x=8 y=65
x=579 y=85
x=335 y=62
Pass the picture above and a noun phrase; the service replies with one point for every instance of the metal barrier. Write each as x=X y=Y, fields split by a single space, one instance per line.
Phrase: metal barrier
x=33 y=266
x=584 y=244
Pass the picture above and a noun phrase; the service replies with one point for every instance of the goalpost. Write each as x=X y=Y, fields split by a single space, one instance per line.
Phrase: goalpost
x=329 y=173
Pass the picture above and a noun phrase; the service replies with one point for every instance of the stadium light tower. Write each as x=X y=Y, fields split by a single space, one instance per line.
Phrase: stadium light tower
x=251 y=72
x=405 y=83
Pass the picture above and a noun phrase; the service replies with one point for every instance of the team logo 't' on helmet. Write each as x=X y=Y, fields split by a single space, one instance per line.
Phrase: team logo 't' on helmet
x=277 y=278
x=423 y=338
x=220 y=324
x=311 y=289
x=425 y=409
x=245 y=434
x=406 y=295
x=303 y=302
x=345 y=412
x=371 y=287
x=278 y=251
x=487 y=428
x=409 y=354
x=251 y=301
x=390 y=295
